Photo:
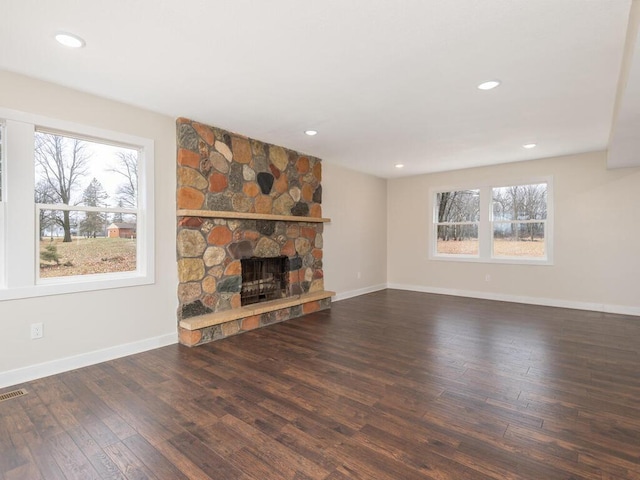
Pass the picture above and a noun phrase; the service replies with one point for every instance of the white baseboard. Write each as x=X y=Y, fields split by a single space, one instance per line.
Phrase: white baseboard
x=547 y=302
x=358 y=292
x=40 y=370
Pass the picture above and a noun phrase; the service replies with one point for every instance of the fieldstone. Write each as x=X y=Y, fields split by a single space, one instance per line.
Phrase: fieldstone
x=282 y=205
x=194 y=309
x=219 y=235
x=309 y=178
x=303 y=246
x=224 y=302
x=187 y=137
x=218 y=162
x=191 y=243
x=188 y=177
x=217 y=182
x=278 y=156
x=266 y=227
x=260 y=164
x=282 y=184
x=251 y=189
x=288 y=249
x=307 y=192
x=302 y=165
x=234 y=268
x=316 y=285
x=234 y=224
x=241 y=203
x=218 y=201
x=293 y=230
x=308 y=260
x=274 y=170
x=205 y=132
x=300 y=209
x=295 y=263
x=296 y=289
x=213 y=256
x=257 y=148
x=209 y=284
x=267 y=248
x=193 y=222
x=189 y=292
x=230 y=328
x=263 y=204
x=216 y=271
x=317 y=195
x=188 y=158
x=296 y=311
x=236 y=300
x=224 y=150
x=230 y=284
x=242 y=249
x=210 y=300
x=205 y=165
x=316 y=211
x=235 y=177
x=190 y=270
x=211 y=333
x=295 y=194
x=265 y=180
x=318 y=241
x=308 y=231
x=317 y=171
x=305 y=286
x=241 y=149
x=308 y=275
x=248 y=173
x=190 y=198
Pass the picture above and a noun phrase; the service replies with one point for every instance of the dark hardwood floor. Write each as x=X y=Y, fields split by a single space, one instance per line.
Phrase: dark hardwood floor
x=392 y=385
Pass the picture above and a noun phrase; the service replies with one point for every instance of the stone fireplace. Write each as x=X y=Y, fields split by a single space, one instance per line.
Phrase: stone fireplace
x=250 y=230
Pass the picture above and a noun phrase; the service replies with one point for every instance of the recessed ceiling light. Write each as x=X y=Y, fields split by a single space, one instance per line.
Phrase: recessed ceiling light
x=491 y=84
x=399 y=165
x=529 y=145
x=311 y=133
x=69 y=40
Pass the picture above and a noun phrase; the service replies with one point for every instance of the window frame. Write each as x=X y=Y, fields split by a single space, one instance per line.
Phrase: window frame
x=20 y=276
x=485 y=224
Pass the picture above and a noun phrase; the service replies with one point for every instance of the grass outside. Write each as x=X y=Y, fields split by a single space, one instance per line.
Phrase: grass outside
x=84 y=256
x=501 y=247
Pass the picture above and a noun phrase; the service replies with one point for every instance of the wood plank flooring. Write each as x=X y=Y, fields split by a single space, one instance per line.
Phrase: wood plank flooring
x=392 y=385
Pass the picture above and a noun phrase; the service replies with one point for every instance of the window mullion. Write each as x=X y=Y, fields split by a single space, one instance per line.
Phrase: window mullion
x=484 y=228
x=20 y=241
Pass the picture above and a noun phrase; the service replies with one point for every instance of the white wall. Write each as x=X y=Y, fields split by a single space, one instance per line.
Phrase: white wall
x=87 y=327
x=355 y=242
x=597 y=238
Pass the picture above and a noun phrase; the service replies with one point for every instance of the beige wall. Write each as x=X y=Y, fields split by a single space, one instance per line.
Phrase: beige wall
x=84 y=324
x=355 y=242
x=597 y=237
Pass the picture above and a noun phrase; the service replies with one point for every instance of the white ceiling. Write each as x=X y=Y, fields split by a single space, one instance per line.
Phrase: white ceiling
x=383 y=81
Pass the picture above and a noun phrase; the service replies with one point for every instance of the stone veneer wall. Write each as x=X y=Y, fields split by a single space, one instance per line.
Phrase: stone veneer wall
x=222 y=171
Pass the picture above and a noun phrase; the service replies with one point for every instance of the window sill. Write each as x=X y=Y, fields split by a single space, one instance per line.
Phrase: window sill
x=85 y=283
x=493 y=260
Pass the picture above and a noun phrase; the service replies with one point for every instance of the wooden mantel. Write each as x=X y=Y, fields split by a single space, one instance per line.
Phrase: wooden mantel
x=248 y=216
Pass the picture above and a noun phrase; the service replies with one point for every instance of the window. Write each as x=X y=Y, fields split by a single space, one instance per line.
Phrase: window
x=458 y=216
x=85 y=194
x=504 y=223
x=78 y=208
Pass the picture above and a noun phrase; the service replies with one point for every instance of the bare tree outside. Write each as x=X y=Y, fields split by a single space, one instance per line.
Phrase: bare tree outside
x=60 y=163
x=127 y=170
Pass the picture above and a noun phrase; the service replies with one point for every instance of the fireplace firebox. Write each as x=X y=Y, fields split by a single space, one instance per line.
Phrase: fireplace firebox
x=264 y=279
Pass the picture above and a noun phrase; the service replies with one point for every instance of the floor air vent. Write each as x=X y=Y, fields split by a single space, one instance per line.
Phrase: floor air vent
x=14 y=394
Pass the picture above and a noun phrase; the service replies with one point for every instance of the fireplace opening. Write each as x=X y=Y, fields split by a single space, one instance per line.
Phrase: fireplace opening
x=264 y=279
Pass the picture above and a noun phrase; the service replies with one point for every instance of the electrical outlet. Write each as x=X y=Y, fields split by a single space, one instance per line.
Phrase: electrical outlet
x=359 y=275
x=37 y=330
x=487 y=278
